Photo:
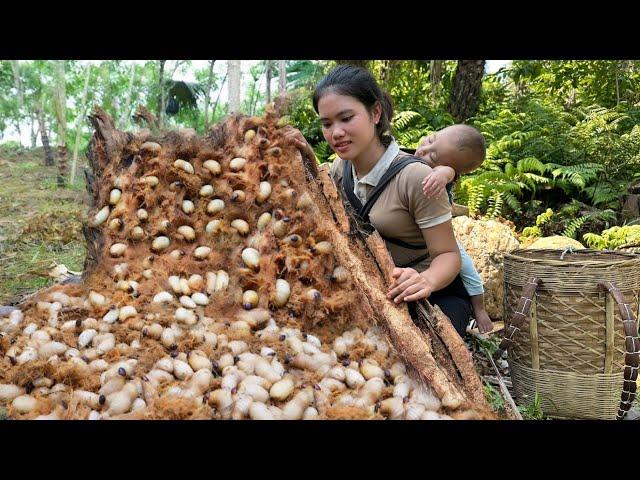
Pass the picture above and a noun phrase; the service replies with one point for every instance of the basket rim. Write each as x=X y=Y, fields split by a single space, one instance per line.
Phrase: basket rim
x=591 y=256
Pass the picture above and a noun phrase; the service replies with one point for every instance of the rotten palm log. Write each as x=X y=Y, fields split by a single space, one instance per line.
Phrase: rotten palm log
x=223 y=280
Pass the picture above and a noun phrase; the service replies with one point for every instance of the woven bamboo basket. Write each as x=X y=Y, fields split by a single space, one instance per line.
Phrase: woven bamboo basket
x=571 y=332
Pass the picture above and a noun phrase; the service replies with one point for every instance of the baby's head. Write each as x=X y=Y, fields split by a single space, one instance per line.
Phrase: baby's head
x=460 y=147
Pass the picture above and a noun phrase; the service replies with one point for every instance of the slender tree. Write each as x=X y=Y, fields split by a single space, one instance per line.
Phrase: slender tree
x=268 y=67
x=79 y=124
x=207 y=98
x=233 y=69
x=61 y=114
x=464 y=99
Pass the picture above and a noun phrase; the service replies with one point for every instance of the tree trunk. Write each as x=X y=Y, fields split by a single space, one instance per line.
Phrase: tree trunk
x=15 y=66
x=233 y=70
x=48 y=153
x=282 y=77
x=125 y=118
x=465 y=91
x=80 y=124
x=436 y=79
x=61 y=114
x=34 y=132
x=268 y=81
x=160 y=115
x=207 y=98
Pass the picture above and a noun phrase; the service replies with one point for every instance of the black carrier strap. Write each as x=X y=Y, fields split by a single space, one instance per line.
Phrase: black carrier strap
x=363 y=210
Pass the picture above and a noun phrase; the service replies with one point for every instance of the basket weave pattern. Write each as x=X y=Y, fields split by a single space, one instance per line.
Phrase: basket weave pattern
x=572 y=349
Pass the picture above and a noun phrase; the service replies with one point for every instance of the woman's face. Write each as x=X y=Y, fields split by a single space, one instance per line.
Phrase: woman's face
x=347 y=125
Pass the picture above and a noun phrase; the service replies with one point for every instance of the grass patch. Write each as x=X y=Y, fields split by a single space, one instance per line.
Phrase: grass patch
x=40 y=224
x=533 y=411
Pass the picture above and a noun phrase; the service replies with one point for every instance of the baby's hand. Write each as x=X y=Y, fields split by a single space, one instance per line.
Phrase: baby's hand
x=435 y=183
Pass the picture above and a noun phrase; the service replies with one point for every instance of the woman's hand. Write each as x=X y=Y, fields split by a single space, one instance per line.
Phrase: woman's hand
x=294 y=137
x=408 y=286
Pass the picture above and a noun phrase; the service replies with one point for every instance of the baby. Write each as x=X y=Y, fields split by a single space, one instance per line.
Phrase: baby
x=451 y=152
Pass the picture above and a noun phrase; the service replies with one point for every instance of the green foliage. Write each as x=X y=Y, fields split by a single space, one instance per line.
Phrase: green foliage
x=532 y=411
x=492 y=396
x=614 y=237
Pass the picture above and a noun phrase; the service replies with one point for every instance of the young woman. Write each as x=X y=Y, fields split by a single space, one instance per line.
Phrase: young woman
x=355 y=116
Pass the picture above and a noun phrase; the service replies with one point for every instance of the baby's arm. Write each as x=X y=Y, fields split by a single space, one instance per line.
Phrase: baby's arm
x=434 y=184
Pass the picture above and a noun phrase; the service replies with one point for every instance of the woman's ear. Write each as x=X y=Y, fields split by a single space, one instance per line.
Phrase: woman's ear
x=377 y=112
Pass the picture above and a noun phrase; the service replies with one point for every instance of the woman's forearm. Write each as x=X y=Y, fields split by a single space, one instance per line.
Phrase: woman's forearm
x=443 y=269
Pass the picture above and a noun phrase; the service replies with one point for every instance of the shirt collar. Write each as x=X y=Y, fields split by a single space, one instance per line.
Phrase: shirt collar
x=373 y=177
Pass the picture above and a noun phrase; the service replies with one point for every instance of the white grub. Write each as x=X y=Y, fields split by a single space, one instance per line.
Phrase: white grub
x=310 y=413
x=237 y=164
x=196 y=282
x=182 y=370
x=280 y=228
x=142 y=214
x=202 y=252
x=187 y=232
x=111 y=316
x=200 y=299
x=393 y=408
x=50 y=349
x=187 y=302
x=162 y=297
x=206 y=191
x=263 y=220
x=213 y=227
x=188 y=206
x=340 y=275
x=294 y=408
x=283 y=292
x=138 y=404
x=264 y=191
x=174 y=283
x=198 y=361
x=249 y=135
x=241 y=226
x=237 y=347
x=117 y=249
x=183 y=165
x=151 y=147
x=213 y=167
x=211 y=282
x=353 y=378
x=250 y=299
x=222 y=281
x=259 y=411
x=86 y=337
x=120 y=270
x=323 y=248
x=185 y=316
x=99 y=365
x=215 y=206
x=24 y=403
x=126 y=312
x=267 y=352
x=238 y=196
x=9 y=391
x=304 y=201
x=251 y=258
x=137 y=233
x=150 y=180
x=101 y=216
x=160 y=243
x=282 y=389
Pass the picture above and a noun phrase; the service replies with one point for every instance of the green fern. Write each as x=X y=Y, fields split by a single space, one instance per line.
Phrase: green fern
x=574 y=226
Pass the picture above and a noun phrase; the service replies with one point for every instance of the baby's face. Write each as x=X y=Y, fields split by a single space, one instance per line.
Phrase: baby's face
x=440 y=148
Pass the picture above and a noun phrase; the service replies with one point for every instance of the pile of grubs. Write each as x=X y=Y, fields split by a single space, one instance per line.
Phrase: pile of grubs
x=212 y=290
